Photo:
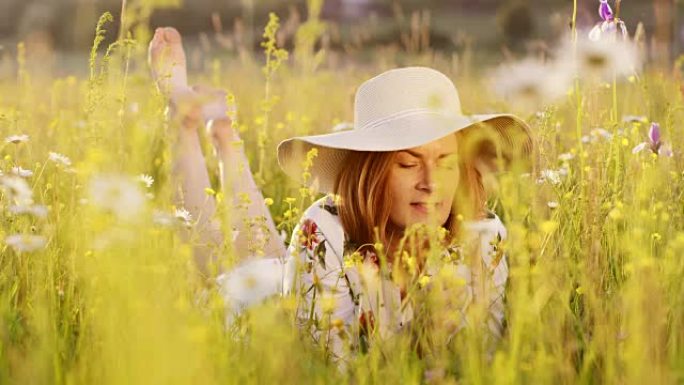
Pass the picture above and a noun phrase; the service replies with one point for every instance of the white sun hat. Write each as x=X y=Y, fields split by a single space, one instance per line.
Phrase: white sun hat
x=400 y=109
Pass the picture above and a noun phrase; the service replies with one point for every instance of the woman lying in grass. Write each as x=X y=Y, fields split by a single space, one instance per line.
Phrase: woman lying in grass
x=403 y=216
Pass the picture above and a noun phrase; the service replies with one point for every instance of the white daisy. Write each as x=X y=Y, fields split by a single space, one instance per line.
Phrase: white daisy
x=146 y=179
x=565 y=157
x=184 y=216
x=17 y=170
x=639 y=147
x=59 y=159
x=16 y=139
x=17 y=190
x=602 y=133
x=552 y=204
x=596 y=134
x=634 y=119
x=26 y=242
x=162 y=218
x=530 y=83
x=600 y=60
x=38 y=211
x=250 y=283
x=134 y=107
x=117 y=194
x=552 y=176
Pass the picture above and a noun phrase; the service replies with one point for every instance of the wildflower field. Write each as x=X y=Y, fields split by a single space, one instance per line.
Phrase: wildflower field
x=97 y=285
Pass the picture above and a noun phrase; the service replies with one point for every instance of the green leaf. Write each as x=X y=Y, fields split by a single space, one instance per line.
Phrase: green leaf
x=319 y=252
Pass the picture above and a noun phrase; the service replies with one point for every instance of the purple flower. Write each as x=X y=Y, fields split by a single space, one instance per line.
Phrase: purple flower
x=654 y=134
x=609 y=24
x=605 y=11
x=655 y=143
x=608 y=28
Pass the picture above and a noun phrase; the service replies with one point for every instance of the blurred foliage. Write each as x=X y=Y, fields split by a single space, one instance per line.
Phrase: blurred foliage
x=516 y=21
x=596 y=285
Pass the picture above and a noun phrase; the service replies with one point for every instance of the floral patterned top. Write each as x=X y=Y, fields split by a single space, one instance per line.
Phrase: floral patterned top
x=338 y=300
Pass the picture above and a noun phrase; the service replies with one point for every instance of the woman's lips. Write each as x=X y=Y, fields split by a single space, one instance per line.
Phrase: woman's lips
x=422 y=207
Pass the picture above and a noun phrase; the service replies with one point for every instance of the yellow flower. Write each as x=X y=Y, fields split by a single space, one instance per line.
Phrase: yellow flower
x=615 y=213
x=337 y=323
x=549 y=227
x=327 y=303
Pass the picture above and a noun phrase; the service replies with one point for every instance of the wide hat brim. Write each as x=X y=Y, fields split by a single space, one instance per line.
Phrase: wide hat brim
x=505 y=137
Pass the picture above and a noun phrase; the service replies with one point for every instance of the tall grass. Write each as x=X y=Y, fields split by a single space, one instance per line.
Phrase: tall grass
x=596 y=289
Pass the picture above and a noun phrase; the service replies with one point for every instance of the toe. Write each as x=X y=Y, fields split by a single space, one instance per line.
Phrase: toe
x=158 y=36
x=172 y=35
x=157 y=41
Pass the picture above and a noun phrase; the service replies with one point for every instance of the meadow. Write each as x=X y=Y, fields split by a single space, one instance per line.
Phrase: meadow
x=97 y=286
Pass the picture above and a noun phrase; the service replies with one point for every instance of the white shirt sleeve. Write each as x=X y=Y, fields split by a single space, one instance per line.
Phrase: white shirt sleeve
x=327 y=292
x=491 y=278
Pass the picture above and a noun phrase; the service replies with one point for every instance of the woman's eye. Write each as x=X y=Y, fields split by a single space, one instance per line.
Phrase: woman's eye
x=407 y=165
x=449 y=164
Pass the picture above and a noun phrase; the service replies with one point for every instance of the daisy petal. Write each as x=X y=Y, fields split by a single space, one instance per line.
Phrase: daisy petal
x=639 y=147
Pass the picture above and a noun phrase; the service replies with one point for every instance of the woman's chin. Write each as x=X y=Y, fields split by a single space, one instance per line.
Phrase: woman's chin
x=424 y=219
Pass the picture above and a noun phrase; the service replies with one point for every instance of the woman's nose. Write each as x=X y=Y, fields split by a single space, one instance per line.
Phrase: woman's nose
x=426 y=182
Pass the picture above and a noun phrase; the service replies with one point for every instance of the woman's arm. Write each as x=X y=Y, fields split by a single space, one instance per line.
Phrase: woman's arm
x=327 y=292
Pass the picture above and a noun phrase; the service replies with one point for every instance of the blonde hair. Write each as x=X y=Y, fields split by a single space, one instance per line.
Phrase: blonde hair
x=365 y=200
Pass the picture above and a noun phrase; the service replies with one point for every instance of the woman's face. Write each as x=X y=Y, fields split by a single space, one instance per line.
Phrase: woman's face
x=423 y=183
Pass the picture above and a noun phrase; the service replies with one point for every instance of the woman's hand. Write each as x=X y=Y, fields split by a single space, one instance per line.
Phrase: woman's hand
x=186 y=107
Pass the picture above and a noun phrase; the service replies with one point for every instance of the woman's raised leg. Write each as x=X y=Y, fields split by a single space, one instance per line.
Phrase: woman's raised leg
x=257 y=231
x=251 y=218
x=189 y=171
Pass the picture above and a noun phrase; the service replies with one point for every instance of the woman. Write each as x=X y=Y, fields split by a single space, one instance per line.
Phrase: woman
x=405 y=181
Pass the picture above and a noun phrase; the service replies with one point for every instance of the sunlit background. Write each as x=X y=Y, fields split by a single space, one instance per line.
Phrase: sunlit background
x=58 y=31
x=98 y=287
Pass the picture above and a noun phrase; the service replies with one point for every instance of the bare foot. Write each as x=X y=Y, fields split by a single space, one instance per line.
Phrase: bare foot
x=167 y=61
x=205 y=104
x=214 y=102
x=217 y=113
x=189 y=112
x=223 y=134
